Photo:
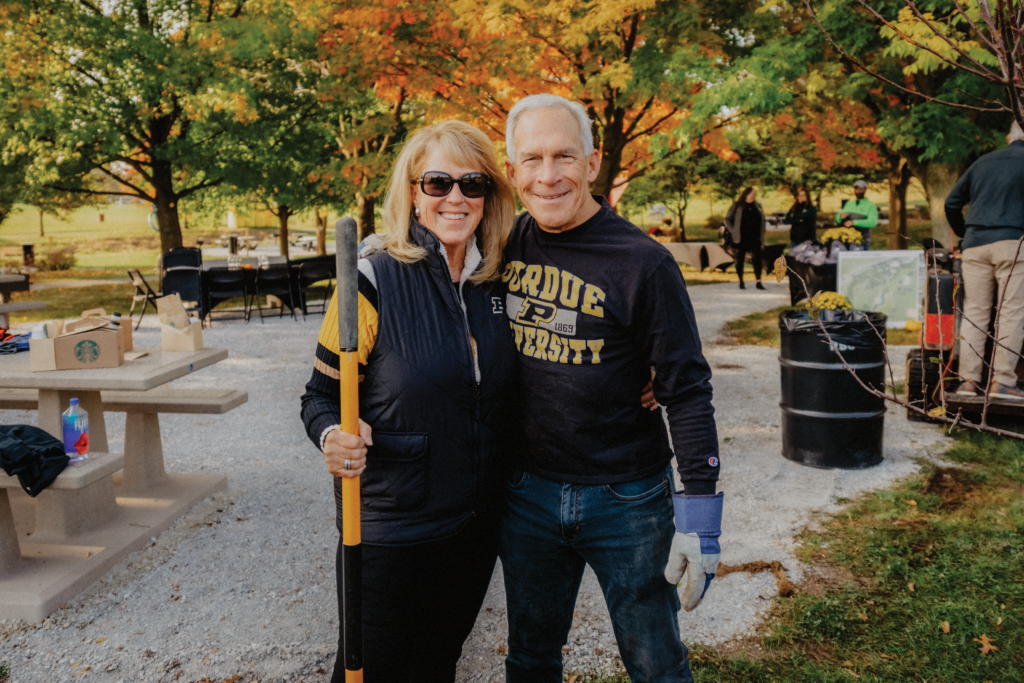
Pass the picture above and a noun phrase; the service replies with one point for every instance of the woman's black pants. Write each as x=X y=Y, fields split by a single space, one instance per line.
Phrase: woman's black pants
x=755 y=256
x=420 y=603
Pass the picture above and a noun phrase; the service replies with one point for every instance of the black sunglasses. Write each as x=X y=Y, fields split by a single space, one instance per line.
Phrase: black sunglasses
x=439 y=184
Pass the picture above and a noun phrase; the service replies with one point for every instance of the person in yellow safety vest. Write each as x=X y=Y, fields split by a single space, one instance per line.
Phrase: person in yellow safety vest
x=863 y=206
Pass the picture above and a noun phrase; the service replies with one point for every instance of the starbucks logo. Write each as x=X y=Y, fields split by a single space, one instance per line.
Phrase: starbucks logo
x=87 y=351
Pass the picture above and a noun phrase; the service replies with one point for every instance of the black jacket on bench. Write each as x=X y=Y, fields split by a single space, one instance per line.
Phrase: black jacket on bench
x=32 y=455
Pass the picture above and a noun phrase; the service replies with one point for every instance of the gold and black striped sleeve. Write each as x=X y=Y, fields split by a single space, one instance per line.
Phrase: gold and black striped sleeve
x=321 y=405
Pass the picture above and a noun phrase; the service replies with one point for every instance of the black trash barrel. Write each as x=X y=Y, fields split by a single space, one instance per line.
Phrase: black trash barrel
x=828 y=418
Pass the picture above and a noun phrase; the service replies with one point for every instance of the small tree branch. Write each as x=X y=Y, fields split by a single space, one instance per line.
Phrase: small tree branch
x=974 y=27
x=880 y=77
x=985 y=71
x=201 y=186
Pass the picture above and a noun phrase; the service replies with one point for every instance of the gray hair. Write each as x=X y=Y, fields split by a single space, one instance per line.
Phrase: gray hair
x=534 y=102
x=1016 y=133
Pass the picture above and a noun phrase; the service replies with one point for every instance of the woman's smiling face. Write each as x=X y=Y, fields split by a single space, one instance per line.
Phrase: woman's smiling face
x=454 y=217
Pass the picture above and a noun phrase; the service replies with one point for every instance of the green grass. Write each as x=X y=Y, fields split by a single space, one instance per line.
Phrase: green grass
x=88 y=274
x=762 y=329
x=69 y=302
x=145 y=258
x=5 y=671
x=942 y=547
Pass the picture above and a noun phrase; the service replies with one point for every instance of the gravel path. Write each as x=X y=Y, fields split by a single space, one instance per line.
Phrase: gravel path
x=244 y=584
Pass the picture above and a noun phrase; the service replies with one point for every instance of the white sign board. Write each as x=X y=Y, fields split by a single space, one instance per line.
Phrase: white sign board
x=890 y=282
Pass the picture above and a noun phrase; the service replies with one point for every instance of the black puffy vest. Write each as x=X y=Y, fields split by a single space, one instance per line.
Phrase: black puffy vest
x=442 y=445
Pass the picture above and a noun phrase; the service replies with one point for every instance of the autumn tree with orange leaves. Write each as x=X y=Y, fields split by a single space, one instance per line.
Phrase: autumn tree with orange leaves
x=653 y=75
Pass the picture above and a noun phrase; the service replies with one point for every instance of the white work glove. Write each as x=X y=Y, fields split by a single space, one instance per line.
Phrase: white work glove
x=695 y=549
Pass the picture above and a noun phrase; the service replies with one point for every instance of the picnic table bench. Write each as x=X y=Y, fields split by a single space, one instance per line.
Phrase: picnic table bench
x=12 y=282
x=14 y=306
x=143 y=456
x=96 y=513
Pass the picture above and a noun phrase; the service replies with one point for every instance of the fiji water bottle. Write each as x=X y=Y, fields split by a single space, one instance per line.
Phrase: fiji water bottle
x=76 y=433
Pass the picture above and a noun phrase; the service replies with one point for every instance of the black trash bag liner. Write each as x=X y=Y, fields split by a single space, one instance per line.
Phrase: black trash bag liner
x=847 y=328
x=32 y=455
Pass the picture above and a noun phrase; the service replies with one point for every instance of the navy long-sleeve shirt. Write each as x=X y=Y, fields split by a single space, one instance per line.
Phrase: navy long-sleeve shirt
x=994 y=187
x=593 y=309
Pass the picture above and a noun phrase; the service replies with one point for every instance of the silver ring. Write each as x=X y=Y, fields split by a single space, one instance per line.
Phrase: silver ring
x=348 y=464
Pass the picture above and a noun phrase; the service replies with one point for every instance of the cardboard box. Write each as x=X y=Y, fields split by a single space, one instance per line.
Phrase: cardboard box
x=176 y=332
x=95 y=315
x=86 y=347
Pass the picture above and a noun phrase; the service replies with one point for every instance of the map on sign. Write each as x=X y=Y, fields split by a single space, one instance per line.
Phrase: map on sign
x=889 y=282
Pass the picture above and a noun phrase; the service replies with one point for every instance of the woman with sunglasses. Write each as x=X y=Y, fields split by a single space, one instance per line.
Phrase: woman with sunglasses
x=437 y=371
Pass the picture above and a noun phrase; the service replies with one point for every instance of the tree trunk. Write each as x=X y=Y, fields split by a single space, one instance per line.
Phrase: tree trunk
x=612 y=142
x=41 y=223
x=321 y=233
x=681 y=215
x=282 y=221
x=938 y=180
x=899 y=180
x=364 y=215
x=166 y=206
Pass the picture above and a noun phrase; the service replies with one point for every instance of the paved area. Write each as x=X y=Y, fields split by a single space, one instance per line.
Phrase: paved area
x=244 y=584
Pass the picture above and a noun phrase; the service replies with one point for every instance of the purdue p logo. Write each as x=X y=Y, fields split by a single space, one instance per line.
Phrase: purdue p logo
x=534 y=312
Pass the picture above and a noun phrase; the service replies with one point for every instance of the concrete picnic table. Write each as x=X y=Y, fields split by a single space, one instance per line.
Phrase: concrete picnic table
x=92 y=516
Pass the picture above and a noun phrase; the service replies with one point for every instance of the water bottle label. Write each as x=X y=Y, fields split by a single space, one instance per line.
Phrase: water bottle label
x=76 y=435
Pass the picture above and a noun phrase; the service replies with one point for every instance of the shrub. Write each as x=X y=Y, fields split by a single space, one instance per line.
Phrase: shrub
x=58 y=259
x=714 y=222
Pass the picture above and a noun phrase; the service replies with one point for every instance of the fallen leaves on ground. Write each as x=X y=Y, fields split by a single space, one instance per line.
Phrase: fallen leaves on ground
x=986 y=644
x=784 y=585
x=945 y=627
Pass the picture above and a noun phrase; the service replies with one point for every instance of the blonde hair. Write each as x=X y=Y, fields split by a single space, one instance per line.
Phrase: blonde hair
x=466 y=146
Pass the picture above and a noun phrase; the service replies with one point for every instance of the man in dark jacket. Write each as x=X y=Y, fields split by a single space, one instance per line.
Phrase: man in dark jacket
x=594 y=305
x=992 y=258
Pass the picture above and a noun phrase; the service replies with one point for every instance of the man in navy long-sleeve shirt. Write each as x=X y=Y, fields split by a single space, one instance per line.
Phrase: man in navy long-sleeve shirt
x=992 y=258
x=595 y=304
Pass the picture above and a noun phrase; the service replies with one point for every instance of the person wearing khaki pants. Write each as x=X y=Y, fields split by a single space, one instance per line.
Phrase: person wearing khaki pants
x=990 y=270
x=993 y=265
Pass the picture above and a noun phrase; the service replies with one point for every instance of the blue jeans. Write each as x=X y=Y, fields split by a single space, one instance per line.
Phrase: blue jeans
x=549 y=533
x=866 y=234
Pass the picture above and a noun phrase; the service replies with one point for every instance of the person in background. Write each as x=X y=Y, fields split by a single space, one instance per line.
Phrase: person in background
x=802 y=218
x=863 y=206
x=438 y=399
x=992 y=260
x=746 y=224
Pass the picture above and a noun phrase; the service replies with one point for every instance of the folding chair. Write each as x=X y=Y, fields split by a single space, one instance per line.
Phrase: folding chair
x=315 y=279
x=182 y=257
x=222 y=285
x=275 y=281
x=143 y=292
x=186 y=283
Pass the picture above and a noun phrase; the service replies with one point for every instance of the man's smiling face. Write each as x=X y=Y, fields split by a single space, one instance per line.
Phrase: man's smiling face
x=550 y=171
